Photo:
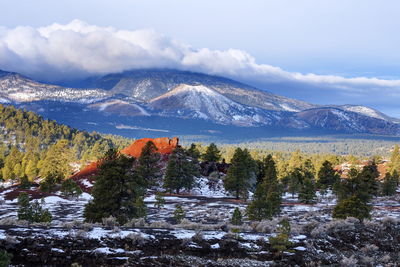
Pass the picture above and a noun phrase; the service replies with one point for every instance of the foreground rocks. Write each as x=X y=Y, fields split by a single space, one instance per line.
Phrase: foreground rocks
x=339 y=243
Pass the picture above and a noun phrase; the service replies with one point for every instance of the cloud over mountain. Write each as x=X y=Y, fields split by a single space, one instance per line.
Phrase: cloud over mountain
x=78 y=49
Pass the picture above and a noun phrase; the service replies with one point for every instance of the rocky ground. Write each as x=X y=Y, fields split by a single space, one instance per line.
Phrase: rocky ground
x=205 y=237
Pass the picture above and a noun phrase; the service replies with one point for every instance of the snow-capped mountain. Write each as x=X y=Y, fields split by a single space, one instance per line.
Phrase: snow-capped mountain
x=147 y=84
x=170 y=100
x=199 y=101
x=17 y=88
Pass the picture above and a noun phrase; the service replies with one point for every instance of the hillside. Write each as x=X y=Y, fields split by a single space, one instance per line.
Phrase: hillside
x=27 y=137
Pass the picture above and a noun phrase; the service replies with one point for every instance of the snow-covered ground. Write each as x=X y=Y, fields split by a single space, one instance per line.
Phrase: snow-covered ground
x=208 y=203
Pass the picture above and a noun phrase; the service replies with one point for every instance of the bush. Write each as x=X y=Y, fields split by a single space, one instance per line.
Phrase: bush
x=110 y=221
x=179 y=213
x=69 y=188
x=5 y=258
x=237 y=217
x=32 y=212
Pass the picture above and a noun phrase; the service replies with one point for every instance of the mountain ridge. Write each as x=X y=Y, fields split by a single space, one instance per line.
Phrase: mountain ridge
x=147 y=94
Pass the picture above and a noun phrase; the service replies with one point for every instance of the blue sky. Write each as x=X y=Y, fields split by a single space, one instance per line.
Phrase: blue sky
x=271 y=44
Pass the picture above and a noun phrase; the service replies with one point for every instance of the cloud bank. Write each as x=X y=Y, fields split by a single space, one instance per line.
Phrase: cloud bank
x=77 y=50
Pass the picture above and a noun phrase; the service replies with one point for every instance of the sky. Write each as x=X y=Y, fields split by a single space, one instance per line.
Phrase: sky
x=320 y=51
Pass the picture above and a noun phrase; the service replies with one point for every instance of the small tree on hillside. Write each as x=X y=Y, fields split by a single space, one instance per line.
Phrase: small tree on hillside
x=147 y=165
x=181 y=170
x=237 y=217
x=212 y=154
x=242 y=169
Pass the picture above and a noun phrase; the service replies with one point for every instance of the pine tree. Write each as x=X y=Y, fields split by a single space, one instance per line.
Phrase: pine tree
x=241 y=171
x=193 y=152
x=160 y=200
x=237 y=217
x=181 y=170
x=327 y=176
x=295 y=181
x=32 y=212
x=116 y=190
x=389 y=185
x=395 y=159
x=31 y=170
x=141 y=209
x=280 y=242
x=147 y=165
x=179 y=213
x=212 y=154
x=267 y=197
x=367 y=183
x=56 y=164
x=352 y=206
x=69 y=188
x=307 y=191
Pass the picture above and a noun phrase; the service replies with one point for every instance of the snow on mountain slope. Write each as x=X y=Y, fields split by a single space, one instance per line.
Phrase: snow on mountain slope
x=119 y=107
x=145 y=85
x=202 y=102
x=367 y=111
x=336 y=119
x=16 y=88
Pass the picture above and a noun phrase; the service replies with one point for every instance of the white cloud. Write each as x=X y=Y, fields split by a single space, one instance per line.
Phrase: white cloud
x=78 y=49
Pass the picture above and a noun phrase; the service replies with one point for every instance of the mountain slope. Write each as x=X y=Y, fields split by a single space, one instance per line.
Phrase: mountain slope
x=17 y=88
x=151 y=101
x=145 y=85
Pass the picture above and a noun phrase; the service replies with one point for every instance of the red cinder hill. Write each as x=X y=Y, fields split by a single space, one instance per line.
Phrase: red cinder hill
x=164 y=145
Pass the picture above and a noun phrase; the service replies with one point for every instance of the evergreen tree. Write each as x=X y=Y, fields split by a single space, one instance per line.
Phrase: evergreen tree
x=241 y=171
x=181 y=170
x=115 y=191
x=307 y=191
x=56 y=164
x=280 y=242
x=141 y=209
x=295 y=180
x=147 y=165
x=179 y=213
x=395 y=159
x=193 y=152
x=267 y=197
x=212 y=154
x=32 y=212
x=160 y=200
x=389 y=185
x=69 y=188
x=367 y=183
x=327 y=176
x=237 y=217
x=352 y=206
x=31 y=170
x=5 y=258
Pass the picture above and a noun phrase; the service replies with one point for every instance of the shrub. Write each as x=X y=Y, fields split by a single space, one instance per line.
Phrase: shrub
x=110 y=221
x=349 y=262
x=160 y=224
x=237 y=217
x=179 y=213
x=137 y=238
x=5 y=258
x=32 y=212
x=69 y=188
